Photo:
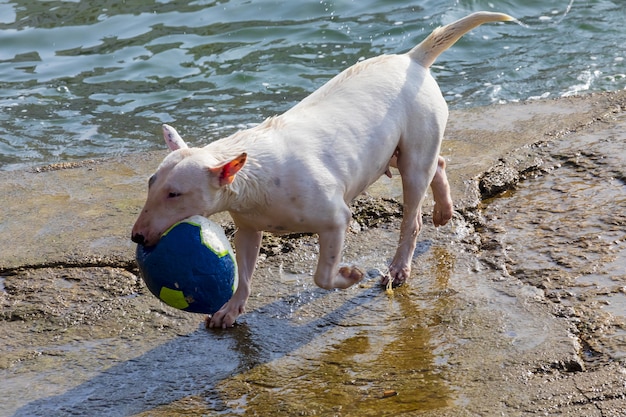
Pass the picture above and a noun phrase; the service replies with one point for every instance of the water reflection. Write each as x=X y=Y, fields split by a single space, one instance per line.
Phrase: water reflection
x=342 y=359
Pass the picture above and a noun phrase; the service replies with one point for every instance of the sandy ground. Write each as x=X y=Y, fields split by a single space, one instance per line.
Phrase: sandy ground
x=81 y=335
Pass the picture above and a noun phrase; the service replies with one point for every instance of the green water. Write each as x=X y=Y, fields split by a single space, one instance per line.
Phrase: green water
x=84 y=79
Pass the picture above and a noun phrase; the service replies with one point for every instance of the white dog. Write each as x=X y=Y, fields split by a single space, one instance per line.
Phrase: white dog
x=299 y=171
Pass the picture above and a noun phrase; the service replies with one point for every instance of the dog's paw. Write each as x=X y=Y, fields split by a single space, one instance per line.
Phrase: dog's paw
x=442 y=213
x=350 y=275
x=397 y=275
x=226 y=316
x=395 y=283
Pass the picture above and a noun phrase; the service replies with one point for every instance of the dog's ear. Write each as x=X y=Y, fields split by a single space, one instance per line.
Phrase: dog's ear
x=172 y=138
x=225 y=174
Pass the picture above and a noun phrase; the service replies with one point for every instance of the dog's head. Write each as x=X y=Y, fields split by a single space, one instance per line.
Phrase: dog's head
x=189 y=181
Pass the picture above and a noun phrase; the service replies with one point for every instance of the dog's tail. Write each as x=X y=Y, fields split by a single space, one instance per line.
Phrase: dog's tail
x=444 y=37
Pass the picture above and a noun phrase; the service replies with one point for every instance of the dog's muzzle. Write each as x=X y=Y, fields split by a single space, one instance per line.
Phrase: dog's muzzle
x=138 y=238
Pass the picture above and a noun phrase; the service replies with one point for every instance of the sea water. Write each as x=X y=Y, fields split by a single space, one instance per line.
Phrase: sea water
x=91 y=79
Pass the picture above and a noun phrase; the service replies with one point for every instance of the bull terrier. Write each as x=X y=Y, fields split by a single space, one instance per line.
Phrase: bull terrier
x=298 y=172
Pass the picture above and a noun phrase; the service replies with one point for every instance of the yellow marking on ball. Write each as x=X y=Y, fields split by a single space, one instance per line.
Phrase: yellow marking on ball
x=173 y=298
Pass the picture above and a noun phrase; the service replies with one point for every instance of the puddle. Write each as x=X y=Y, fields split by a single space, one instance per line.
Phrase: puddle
x=376 y=354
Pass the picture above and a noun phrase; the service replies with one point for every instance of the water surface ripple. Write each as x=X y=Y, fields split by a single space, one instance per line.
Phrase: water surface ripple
x=83 y=79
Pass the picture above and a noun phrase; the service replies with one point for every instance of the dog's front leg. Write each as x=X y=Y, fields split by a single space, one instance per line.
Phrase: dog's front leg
x=247 y=245
x=328 y=275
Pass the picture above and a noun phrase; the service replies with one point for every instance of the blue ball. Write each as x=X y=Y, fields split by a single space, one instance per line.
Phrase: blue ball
x=192 y=268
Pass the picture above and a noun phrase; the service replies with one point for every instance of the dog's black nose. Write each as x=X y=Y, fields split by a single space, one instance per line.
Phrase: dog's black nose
x=138 y=238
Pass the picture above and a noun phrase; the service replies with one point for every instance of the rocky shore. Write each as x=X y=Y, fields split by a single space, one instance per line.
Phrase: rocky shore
x=473 y=334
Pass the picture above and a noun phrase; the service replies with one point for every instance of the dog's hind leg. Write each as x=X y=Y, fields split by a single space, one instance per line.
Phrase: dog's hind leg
x=416 y=176
x=442 y=212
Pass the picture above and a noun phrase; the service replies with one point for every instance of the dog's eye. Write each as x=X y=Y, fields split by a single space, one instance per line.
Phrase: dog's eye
x=173 y=195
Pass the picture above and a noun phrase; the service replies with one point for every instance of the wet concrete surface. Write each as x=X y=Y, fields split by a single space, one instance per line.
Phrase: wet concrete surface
x=515 y=308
